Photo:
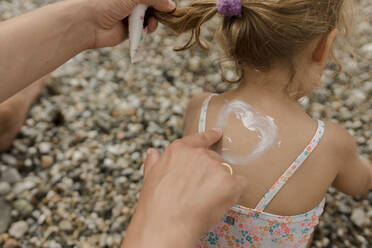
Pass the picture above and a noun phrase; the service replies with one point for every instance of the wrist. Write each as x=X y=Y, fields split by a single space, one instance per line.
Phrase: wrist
x=149 y=229
x=76 y=16
x=87 y=22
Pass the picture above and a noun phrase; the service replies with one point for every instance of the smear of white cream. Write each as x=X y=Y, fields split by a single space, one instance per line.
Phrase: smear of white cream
x=229 y=139
x=253 y=121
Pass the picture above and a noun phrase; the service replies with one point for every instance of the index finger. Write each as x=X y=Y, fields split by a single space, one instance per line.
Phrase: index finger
x=205 y=139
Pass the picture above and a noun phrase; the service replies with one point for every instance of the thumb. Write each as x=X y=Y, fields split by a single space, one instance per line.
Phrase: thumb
x=205 y=139
x=152 y=157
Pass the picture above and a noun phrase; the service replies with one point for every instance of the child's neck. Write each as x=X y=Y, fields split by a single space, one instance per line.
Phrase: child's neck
x=263 y=86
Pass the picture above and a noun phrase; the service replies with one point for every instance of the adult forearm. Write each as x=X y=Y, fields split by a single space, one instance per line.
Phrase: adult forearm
x=156 y=232
x=38 y=42
x=142 y=233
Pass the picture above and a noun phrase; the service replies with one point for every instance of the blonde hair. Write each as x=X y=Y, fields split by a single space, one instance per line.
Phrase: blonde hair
x=268 y=30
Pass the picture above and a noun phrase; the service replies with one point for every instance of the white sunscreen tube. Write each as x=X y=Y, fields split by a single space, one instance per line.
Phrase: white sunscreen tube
x=136 y=33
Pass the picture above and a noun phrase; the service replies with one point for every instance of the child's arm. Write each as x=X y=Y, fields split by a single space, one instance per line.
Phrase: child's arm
x=192 y=114
x=354 y=175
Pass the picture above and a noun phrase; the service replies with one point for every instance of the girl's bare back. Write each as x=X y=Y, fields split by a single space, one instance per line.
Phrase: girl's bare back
x=308 y=186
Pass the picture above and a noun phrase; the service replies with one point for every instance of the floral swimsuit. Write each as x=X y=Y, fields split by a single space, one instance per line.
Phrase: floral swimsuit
x=246 y=227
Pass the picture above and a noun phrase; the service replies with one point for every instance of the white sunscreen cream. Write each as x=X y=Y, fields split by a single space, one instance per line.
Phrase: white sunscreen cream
x=253 y=121
x=136 y=33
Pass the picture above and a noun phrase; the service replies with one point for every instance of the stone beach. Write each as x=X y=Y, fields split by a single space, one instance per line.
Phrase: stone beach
x=73 y=175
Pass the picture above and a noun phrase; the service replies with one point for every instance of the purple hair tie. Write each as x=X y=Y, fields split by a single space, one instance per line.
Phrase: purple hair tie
x=229 y=7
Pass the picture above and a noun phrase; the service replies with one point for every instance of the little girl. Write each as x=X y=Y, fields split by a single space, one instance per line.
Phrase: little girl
x=280 y=48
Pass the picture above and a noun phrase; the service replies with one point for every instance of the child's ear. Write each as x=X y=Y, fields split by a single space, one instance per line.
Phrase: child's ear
x=323 y=48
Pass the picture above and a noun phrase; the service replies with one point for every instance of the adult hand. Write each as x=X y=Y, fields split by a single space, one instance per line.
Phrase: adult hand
x=110 y=23
x=32 y=47
x=185 y=192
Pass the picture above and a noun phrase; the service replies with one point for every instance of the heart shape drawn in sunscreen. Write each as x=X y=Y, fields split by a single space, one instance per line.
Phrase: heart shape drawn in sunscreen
x=253 y=121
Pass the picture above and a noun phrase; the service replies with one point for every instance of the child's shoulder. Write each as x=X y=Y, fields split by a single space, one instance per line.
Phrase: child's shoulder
x=193 y=113
x=354 y=176
x=339 y=142
x=197 y=100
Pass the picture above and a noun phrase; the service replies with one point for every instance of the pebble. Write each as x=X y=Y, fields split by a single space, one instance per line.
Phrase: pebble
x=52 y=244
x=23 y=207
x=46 y=161
x=18 y=229
x=84 y=244
x=28 y=162
x=357 y=124
x=357 y=97
x=127 y=171
x=345 y=113
x=45 y=147
x=4 y=188
x=136 y=176
x=77 y=156
x=129 y=111
x=10 y=175
x=367 y=87
x=108 y=163
x=5 y=216
x=344 y=208
x=359 y=217
x=366 y=50
x=8 y=159
x=65 y=225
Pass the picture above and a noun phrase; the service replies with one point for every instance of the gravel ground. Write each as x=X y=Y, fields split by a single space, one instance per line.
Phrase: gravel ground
x=72 y=177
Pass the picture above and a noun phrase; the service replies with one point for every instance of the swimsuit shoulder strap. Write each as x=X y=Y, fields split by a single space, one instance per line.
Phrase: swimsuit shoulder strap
x=203 y=113
x=273 y=191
